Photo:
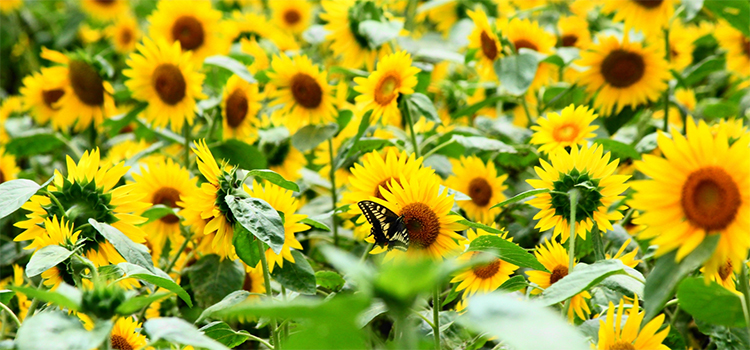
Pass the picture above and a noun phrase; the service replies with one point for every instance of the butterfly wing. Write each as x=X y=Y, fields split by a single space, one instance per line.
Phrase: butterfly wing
x=398 y=235
x=387 y=227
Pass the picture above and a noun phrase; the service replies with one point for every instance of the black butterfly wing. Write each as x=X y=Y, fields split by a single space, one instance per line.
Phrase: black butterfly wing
x=398 y=236
x=387 y=227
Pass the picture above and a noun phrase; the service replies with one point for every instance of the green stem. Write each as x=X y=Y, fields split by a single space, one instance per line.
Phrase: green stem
x=284 y=325
x=526 y=109
x=596 y=239
x=34 y=302
x=269 y=292
x=366 y=252
x=92 y=267
x=666 y=93
x=572 y=221
x=259 y=340
x=332 y=176
x=411 y=10
x=405 y=112
x=745 y=290
x=404 y=340
x=12 y=315
x=437 y=148
x=171 y=264
x=56 y=201
x=436 y=315
x=186 y=135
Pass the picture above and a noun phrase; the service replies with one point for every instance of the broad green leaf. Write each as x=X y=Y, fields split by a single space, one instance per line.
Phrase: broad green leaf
x=158 y=278
x=375 y=309
x=245 y=246
x=711 y=303
x=116 y=123
x=157 y=212
x=618 y=149
x=647 y=144
x=229 y=301
x=274 y=178
x=46 y=258
x=401 y=282
x=213 y=278
x=377 y=33
x=522 y=324
x=5 y=296
x=513 y=284
x=736 y=12
x=240 y=154
x=343 y=119
x=310 y=136
x=231 y=65
x=702 y=69
x=505 y=250
x=224 y=334
x=347 y=148
x=583 y=277
x=298 y=276
x=135 y=304
x=628 y=284
x=56 y=330
x=473 y=109
x=329 y=280
x=516 y=72
x=614 y=122
x=714 y=109
x=14 y=193
x=132 y=252
x=424 y=106
x=369 y=144
x=479 y=143
x=667 y=273
x=260 y=219
x=33 y=142
x=521 y=196
x=692 y=8
x=55 y=297
x=559 y=97
x=177 y=330
x=316 y=224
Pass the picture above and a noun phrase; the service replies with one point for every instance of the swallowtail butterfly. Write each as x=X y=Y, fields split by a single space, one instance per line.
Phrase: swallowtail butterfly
x=387 y=227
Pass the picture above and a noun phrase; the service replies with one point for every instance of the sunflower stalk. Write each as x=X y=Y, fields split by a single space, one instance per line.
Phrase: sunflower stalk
x=574 y=194
x=405 y=112
x=436 y=315
x=667 y=55
x=332 y=176
x=526 y=110
x=12 y=315
x=745 y=290
x=269 y=293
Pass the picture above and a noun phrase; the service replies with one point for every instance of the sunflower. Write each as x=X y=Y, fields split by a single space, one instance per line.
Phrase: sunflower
x=380 y=91
x=624 y=73
x=23 y=301
x=284 y=159
x=574 y=32
x=483 y=278
x=124 y=150
x=283 y=201
x=591 y=173
x=725 y=276
x=254 y=282
x=346 y=42
x=628 y=259
x=240 y=108
x=630 y=335
x=56 y=233
x=163 y=182
x=8 y=168
x=291 y=16
x=40 y=93
x=426 y=213
x=481 y=182
x=555 y=259
x=206 y=209
x=484 y=39
x=524 y=33
x=701 y=187
x=686 y=98
x=680 y=46
x=557 y=131
x=302 y=90
x=107 y=10
x=737 y=47
x=260 y=58
x=125 y=336
x=193 y=23
x=649 y=16
x=124 y=34
x=163 y=76
x=88 y=192
x=8 y=6
x=87 y=98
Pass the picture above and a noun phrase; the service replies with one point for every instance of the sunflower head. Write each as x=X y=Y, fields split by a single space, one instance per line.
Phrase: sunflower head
x=194 y=24
x=649 y=16
x=124 y=34
x=622 y=330
x=484 y=39
x=482 y=278
x=481 y=183
x=125 y=334
x=240 y=108
x=343 y=19
x=570 y=127
x=380 y=91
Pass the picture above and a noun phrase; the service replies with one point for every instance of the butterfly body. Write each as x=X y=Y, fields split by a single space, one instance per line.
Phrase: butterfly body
x=388 y=228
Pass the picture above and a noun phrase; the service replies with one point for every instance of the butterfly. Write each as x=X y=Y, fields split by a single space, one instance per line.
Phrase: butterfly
x=387 y=227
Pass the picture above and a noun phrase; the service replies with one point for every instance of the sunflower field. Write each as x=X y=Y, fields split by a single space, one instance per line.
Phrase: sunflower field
x=374 y=174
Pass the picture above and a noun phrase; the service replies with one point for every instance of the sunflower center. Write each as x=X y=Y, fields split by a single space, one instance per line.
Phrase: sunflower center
x=169 y=83
x=51 y=96
x=569 y=40
x=86 y=83
x=649 y=4
x=523 y=43
x=487 y=271
x=306 y=91
x=248 y=284
x=105 y=2
x=726 y=270
x=480 y=191
x=489 y=48
x=558 y=273
x=623 y=68
x=237 y=107
x=167 y=196
x=423 y=224
x=120 y=343
x=621 y=345
x=710 y=199
x=189 y=32
x=386 y=184
x=2 y=176
x=126 y=36
x=566 y=132
x=292 y=17
x=385 y=91
x=746 y=46
x=589 y=199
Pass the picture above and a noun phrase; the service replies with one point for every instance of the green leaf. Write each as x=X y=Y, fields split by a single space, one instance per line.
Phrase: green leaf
x=224 y=334
x=5 y=296
x=702 y=69
x=474 y=143
x=229 y=301
x=521 y=196
x=298 y=276
x=177 y=330
x=513 y=284
x=46 y=258
x=343 y=119
x=132 y=252
x=116 y=123
x=158 y=278
x=240 y=154
x=630 y=284
x=667 y=273
x=714 y=109
x=424 y=106
x=692 y=8
x=56 y=330
x=347 y=148
x=506 y=251
x=736 y=12
x=259 y=218
x=157 y=212
x=135 y=304
x=378 y=33
x=522 y=324
x=316 y=224
x=245 y=246
x=213 y=278
x=618 y=149
x=614 y=122
x=329 y=280
x=711 y=303
x=559 y=97
x=47 y=296
x=14 y=193
x=516 y=72
x=33 y=142
x=274 y=178
x=583 y=277
x=310 y=136
x=231 y=65
x=473 y=109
